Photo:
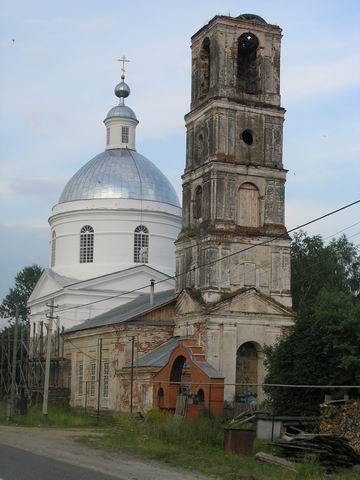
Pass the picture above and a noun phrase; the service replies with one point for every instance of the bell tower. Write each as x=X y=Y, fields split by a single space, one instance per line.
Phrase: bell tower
x=234 y=179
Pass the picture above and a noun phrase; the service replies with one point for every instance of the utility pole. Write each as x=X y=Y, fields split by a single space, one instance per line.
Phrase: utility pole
x=99 y=376
x=14 y=361
x=48 y=358
x=132 y=374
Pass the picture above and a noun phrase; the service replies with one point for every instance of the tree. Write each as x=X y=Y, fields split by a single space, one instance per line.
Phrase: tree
x=323 y=349
x=25 y=281
x=316 y=266
x=324 y=346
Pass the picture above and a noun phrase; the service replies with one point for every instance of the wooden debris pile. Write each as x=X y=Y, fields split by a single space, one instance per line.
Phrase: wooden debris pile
x=330 y=451
x=342 y=419
x=277 y=461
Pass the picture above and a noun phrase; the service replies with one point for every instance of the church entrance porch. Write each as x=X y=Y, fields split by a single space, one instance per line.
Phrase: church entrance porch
x=188 y=383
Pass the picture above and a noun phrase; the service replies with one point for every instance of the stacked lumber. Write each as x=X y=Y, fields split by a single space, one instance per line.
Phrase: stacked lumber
x=342 y=419
x=273 y=460
x=331 y=451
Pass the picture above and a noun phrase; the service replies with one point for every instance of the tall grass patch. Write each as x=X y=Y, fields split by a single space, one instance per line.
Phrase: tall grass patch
x=59 y=416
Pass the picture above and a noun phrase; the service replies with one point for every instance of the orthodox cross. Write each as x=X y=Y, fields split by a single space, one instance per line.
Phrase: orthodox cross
x=124 y=60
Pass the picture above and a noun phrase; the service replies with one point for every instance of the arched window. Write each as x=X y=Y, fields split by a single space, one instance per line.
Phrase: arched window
x=204 y=67
x=141 y=244
x=53 y=248
x=198 y=203
x=86 y=244
x=248 y=206
x=199 y=149
x=247 y=67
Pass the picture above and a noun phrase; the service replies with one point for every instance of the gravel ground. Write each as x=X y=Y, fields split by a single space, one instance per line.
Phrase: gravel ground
x=61 y=445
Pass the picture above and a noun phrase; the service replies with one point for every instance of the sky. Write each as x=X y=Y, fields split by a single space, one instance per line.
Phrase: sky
x=59 y=69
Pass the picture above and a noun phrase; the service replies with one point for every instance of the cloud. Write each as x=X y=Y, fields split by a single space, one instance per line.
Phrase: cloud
x=321 y=77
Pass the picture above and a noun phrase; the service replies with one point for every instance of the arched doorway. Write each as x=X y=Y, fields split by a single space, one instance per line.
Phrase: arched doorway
x=180 y=373
x=200 y=397
x=247 y=371
x=160 y=398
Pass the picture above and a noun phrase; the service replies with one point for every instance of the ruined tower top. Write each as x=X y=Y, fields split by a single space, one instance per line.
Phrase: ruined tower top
x=237 y=58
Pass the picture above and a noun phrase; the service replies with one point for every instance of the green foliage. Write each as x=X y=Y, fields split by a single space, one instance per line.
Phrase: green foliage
x=324 y=347
x=316 y=266
x=25 y=281
x=59 y=416
x=200 y=430
x=196 y=445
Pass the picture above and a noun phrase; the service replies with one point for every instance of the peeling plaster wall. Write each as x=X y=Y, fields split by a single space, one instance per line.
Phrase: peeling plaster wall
x=82 y=347
x=222 y=332
x=223 y=34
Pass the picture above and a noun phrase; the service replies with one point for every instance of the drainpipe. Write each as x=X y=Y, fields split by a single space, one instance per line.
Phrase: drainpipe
x=152 y=289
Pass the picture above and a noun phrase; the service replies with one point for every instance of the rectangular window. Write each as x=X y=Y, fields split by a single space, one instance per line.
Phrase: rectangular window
x=141 y=248
x=107 y=136
x=86 y=248
x=80 y=378
x=106 y=379
x=125 y=134
x=92 y=378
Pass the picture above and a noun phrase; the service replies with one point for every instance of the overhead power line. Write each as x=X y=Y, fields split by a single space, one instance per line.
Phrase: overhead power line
x=212 y=262
x=343 y=230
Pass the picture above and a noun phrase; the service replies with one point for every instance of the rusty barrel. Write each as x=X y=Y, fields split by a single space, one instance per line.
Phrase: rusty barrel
x=239 y=441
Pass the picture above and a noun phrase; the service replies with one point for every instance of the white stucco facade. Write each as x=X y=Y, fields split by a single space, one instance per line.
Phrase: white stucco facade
x=131 y=217
x=114 y=222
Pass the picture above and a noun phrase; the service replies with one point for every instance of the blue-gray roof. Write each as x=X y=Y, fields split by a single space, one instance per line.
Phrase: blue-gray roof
x=128 y=311
x=122 y=111
x=120 y=173
x=159 y=357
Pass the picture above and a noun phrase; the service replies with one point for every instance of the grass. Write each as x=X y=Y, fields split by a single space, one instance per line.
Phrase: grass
x=59 y=416
x=197 y=445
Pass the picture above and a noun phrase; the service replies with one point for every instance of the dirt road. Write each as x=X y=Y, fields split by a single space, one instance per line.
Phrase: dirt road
x=61 y=445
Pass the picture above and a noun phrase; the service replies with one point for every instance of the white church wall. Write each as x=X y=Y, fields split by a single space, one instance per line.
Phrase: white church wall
x=76 y=301
x=114 y=137
x=224 y=340
x=114 y=236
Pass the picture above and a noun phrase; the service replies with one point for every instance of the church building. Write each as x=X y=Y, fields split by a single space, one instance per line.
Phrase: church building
x=112 y=231
x=118 y=227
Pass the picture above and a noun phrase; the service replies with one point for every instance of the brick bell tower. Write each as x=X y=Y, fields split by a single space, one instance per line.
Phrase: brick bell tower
x=233 y=183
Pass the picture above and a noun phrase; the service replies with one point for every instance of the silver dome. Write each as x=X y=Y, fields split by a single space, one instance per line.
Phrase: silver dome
x=122 y=111
x=119 y=173
x=122 y=89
